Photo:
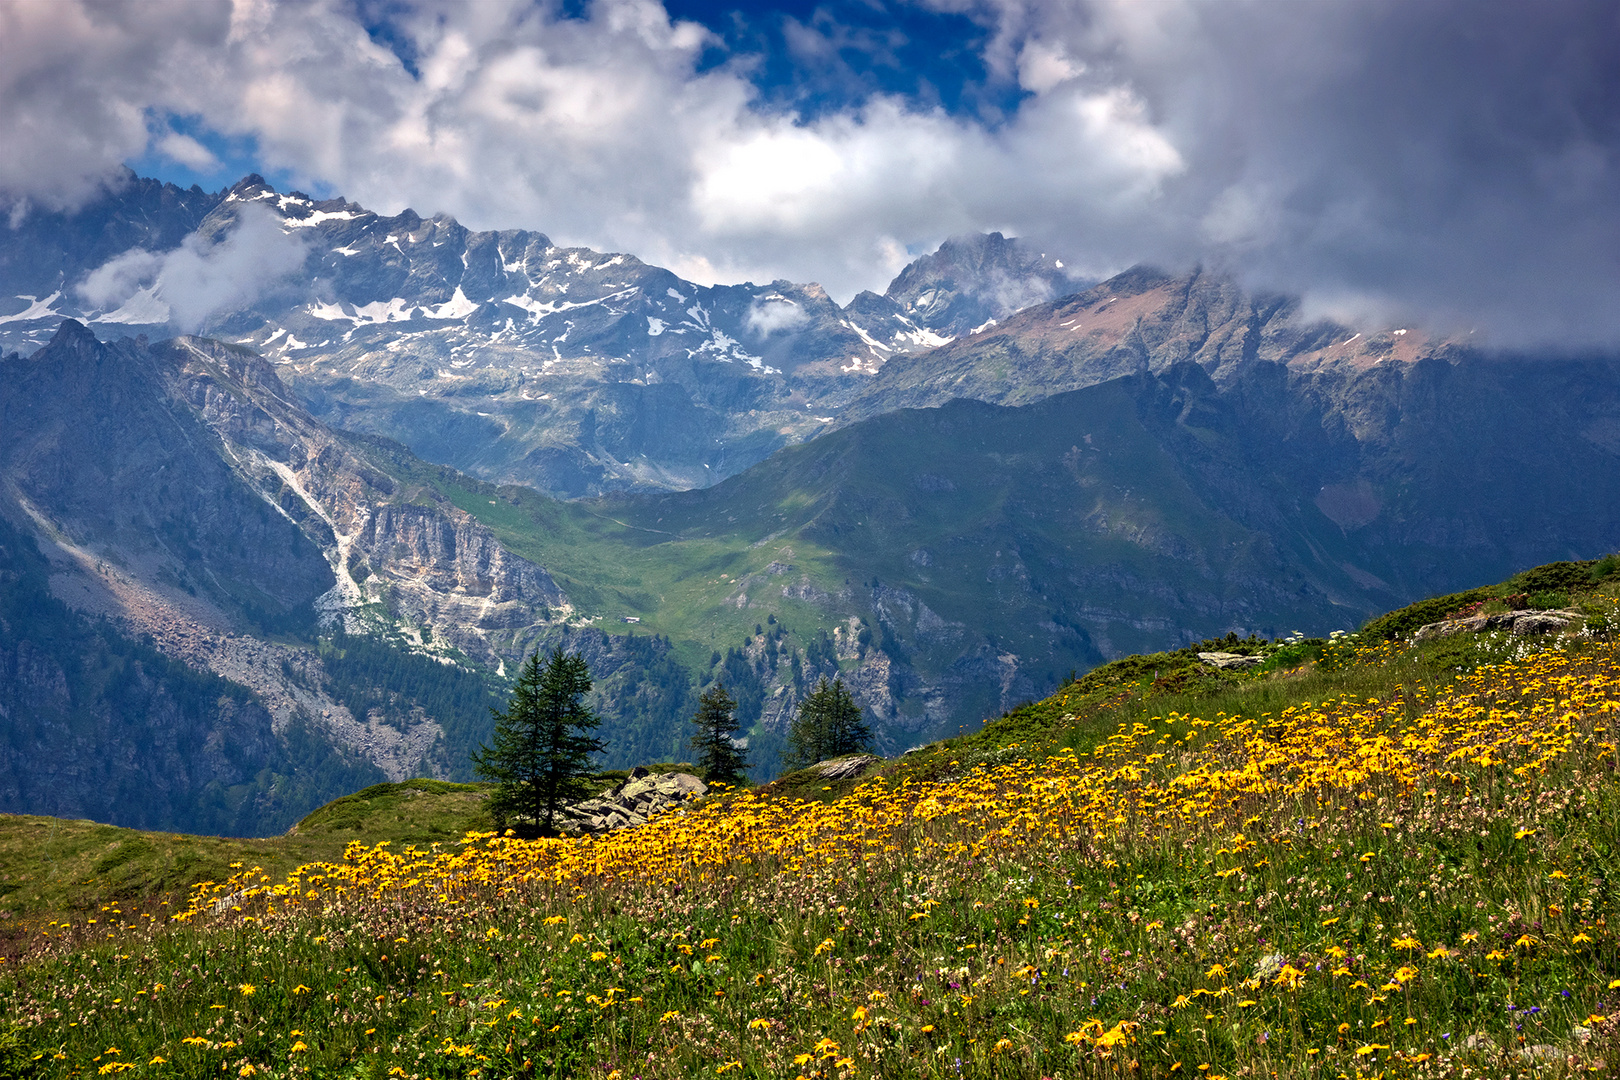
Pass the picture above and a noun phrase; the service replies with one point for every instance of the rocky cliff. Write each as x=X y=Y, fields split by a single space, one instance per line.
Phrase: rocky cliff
x=180 y=491
x=397 y=553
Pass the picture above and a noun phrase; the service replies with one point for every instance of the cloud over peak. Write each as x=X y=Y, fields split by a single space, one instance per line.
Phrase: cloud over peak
x=185 y=286
x=1442 y=161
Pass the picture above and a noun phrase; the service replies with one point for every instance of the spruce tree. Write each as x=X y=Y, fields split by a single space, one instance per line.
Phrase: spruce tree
x=540 y=754
x=716 y=722
x=829 y=724
x=847 y=729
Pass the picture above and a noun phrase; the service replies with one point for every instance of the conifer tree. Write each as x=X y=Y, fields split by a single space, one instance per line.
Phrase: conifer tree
x=541 y=751
x=829 y=724
x=716 y=721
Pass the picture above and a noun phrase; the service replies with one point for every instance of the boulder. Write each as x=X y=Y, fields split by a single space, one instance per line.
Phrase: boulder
x=642 y=795
x=1540 y=622
x=1521 y=622
x=1225 y=660
x=1447 y=627
x=843 y=768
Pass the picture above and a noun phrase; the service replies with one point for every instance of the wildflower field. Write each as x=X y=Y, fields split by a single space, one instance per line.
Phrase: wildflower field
x=1388 y=861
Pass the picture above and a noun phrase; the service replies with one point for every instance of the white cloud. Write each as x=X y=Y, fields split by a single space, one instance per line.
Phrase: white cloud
x=770 y=315
x=112 y=283
x=1043 y=65
x=1337 y=148
x=77 y=79
x=199 y=278
x=187 y=151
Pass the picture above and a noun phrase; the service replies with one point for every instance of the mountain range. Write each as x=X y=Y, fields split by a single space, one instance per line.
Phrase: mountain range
x=364 y=487
x=570 y=370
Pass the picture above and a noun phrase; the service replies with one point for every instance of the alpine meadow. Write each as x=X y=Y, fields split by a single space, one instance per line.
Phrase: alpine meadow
x=1381 y=854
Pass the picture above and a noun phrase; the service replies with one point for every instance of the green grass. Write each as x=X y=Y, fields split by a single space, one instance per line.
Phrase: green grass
x=976 y=943
x=51 y=866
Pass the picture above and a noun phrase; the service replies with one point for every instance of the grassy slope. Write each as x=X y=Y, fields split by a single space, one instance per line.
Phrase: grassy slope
x=1042 y=525
x=997 y=916
x=51 y=867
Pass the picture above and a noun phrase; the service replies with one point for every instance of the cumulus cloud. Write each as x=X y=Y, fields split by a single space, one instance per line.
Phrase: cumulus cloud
x=187 y=285
x=770 y=315
x=77 y=81
x=187 y=151
x=1447 y=161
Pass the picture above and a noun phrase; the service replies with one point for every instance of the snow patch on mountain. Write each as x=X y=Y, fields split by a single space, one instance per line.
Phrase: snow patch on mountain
x=36 y=309
x=142 y=309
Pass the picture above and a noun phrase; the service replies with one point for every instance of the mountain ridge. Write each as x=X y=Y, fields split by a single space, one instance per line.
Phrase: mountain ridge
x=510 y=357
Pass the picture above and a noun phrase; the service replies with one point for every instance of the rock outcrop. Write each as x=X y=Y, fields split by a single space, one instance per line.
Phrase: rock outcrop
x=1524 y=623
x=634 y=802
x=1232 y=661
x=429 y=563
x=844 y=768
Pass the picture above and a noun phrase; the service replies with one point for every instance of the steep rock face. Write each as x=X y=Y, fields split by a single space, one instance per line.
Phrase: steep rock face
x=93 y=446
x=445 y=570
x=426 y=563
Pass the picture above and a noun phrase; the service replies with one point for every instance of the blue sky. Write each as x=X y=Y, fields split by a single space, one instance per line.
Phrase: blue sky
x=1454 y=163
x=805 y=58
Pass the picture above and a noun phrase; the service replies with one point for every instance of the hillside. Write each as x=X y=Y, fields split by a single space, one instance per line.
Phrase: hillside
x=964 y=558
x=360 y=604
x=1381 y=853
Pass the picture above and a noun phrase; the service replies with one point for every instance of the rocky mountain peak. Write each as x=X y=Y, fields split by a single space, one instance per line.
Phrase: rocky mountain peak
x=72 y=334
x=1142 y=320
x=973 y=279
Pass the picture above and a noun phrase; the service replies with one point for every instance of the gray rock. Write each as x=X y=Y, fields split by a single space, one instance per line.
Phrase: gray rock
x=633 y=802
x=1540 y=1052
x=1519 y=622
x=636 y=789
x=1539 y=622
x=843 y=768
x=1448 y=627
x=225 y=903
x=1268 y=965
x=686 y=784
x=1225 y=660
